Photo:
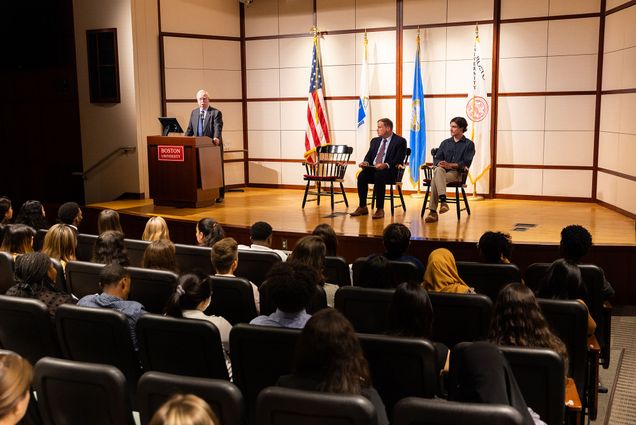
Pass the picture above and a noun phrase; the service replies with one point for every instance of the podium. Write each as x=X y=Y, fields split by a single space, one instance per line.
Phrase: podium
x=184 y=171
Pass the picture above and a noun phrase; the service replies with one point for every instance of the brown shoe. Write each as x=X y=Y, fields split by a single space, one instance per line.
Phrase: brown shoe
x=443 y=208
x=379 y=213
x=432 y=217
x=360 y=211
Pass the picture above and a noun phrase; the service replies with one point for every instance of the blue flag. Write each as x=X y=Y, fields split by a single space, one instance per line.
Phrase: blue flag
x=418 y=123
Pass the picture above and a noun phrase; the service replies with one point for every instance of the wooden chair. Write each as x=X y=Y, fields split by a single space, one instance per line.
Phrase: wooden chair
x=330 y=167
x=397 y=182
x=460 y=184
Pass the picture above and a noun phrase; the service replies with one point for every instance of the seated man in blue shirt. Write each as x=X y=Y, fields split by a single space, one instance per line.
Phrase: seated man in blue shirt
x=291 y=288
x=115 y=283
x=454 y=155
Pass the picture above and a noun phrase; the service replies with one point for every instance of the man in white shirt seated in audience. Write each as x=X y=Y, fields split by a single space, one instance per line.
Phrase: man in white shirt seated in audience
x=261 y=237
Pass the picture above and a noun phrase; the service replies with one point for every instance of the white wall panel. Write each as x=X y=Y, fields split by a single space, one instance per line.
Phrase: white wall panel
x=520 y=147
x=183 y=83
x=518 y=181
x=606 y=188
x=525 y=39
x=570 y=112
x=341 y=80
x=294 y=82
x=381 y=47
x=339 y=49
x=296 y=52
x=560 y=76
x=336 y=14
x=627 y=154
x=292 y=145
x=627 y=114
x=460 y=42
x=375 y=13
x=222 y=54
x=382 y=79
x=265 y=172
x=222 y=84
x=573 y=36
x=263 y=83
x=569 y=7
x=610 y=112
x=232 y=114
x=628 y=78
x=608 y=150
x=264 y=144
x=469 y=10
x=613 y=69
x=188 y=16
x=424 y=12
x=234 y=173
x=522 y=74
x=261 y=54
x=625 y=198
x=261 y=18
x=342 y=114
x=432 y=44
x=292 y=173
x=521 y=113
x=574 y=183
x=523 y=9
x=183 y=53
x=293 y=116
x=569 y=148
x=295 y=16
x=263 y=116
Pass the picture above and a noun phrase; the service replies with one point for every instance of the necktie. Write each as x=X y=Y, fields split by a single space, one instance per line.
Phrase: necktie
x=200 y=126
x=380 y=156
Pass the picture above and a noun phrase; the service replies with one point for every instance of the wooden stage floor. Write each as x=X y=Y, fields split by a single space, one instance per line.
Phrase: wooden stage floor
x=282 y=209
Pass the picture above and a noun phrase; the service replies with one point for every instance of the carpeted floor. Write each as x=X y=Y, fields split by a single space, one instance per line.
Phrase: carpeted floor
x=618 y=407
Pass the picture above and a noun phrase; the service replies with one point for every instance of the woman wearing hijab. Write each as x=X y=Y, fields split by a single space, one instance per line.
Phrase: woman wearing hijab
x=441 y=274
x=480 y=373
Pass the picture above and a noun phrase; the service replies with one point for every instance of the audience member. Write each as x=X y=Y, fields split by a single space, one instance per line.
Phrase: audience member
x=411 y=315
x=441 y=274
x=328 y=235
x=575 y=243
x=108 y=220
x=16 y=375
x=261 y=237
x=396 y=239
x=115 y=283
x=209 y=232
x=329 y=359
x=34 y=276
x=377 y=272
x=60 y=243
x=225 y=262
x=156 y=228
x=481 y=374
x=563 y=281
x=191 y=298
x=519 y=322
x=310 y=251
x=109 y=248
x=495 y=247
x=6 y=210
x=185 y=409
x=32 y=214
x=160 y=255
x=18 y=239
x=291 y=289
x=70 y=214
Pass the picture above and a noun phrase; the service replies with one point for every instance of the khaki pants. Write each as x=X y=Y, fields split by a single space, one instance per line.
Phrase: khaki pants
x=441 y=176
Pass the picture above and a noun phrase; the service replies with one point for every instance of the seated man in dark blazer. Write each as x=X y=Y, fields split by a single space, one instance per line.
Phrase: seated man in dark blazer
x=379 y=167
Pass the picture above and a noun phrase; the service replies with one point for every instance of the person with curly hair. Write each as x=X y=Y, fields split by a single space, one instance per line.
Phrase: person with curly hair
x=70 y=214
x=329 y=358
x=156 y=228
x=518 y=321
x=6 y=210
x=109 y=249
x=34 y=276
x=32 y=214
x=16 y=375
x=495 y=247
x=208 y=232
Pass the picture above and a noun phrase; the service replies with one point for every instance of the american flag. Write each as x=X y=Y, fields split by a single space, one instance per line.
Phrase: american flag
x=317 y=132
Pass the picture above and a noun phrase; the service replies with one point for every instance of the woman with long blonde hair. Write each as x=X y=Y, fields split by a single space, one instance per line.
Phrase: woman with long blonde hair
x=185 y=409
x=60 y=243
x=156 y=228
x=16 y=374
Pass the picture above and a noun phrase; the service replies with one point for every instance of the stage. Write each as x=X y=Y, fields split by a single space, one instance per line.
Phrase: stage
x=536 y=222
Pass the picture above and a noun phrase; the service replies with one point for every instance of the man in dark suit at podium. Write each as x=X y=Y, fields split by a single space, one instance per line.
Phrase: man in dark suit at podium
x=387 y=151
x=207 y=121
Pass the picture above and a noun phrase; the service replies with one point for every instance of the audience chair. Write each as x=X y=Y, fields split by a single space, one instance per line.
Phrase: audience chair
x=98 y=335
x=60 y=279
x=460 y=317
x=318 y=300
x=457 y=185
x=254 y=265
x=397 y=182
x=366 y=308
x=541 y=378
x=337 y=271
x=403 y=271
x=136 y=249
x=232 y=299
x=6 y=272
x=194 y=258
x=38 y=240
x=568 y=319
x=71 y=392
x=82 y=278
x=329 y=167
x=187 y=347
x=285 y=406
x=488 y=279
x=152 y=288
x=260 y=355
x=421 y=411
x=400 y=367
x=85 y=245
x=26 y=328
x=155 y=388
